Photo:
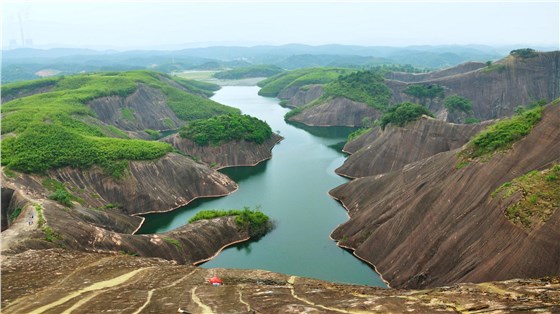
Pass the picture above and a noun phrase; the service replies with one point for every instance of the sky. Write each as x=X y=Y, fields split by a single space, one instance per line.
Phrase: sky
x=127 y=25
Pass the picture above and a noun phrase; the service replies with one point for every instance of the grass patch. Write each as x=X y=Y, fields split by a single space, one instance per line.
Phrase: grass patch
x=501 y=135
x=496 y=67
x=226 y=128
x=128 y=114
x=354 y=135
x=257 y=222
x=9 y=173
x=539 y=193
x=174 y=242
x=15 y=214
x=153 y=133
x=51 y=235
x=261 y=70
x=40 y=217
x=60 y=193
x=271 y=86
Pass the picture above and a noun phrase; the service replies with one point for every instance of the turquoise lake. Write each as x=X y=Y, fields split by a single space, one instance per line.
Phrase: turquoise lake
x=291 y=188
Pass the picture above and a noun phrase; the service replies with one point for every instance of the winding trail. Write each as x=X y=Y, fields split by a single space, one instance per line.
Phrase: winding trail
x=94 y=287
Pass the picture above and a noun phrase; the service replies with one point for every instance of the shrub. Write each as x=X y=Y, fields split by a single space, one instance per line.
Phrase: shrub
x=257 y=222
x=524 y=53
x=15 y=214
x=403 y=113
x=174 y=242
x=365 y=86
x=458 y=103
x=422 y=92
x=502 y=134
x=539 y=196
x=226 y=128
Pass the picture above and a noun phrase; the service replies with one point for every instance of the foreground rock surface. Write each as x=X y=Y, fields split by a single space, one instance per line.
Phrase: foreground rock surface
x=432 y=224
x=57 y=281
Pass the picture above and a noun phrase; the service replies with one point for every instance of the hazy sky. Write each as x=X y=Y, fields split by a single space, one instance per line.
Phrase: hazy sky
x=174 y=24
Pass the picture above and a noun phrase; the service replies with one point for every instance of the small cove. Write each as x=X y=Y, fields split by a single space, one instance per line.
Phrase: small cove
x=292 y=189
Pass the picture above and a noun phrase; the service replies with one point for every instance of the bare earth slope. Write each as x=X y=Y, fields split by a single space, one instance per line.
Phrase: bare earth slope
x=396 y=147
x=94 y=283
x=432 y=224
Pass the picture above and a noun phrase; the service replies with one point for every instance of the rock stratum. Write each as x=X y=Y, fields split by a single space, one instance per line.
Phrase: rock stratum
x=233 y=153
x=431 y=223
x=495 y=91
x=337 y=111
x=93 y=283
x=378 y=151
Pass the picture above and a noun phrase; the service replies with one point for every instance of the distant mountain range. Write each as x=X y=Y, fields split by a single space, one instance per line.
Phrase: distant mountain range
x=24 y=63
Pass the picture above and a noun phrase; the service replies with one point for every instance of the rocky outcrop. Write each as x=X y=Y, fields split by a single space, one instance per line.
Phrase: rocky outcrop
x=146 y=108
x=110 y=228
x=234 y=153
x=149 y=186
x=338 y=111
x=300 y=96
x=495 y=92
x=432 y=224
x=379 y=151
x=420 y=77
x=93 y=283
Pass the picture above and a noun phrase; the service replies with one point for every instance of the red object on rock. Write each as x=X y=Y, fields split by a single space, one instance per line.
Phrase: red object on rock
x=215 y=280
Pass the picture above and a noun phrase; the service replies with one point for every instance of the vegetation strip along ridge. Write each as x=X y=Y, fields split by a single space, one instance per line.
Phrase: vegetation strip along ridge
x=50 y=130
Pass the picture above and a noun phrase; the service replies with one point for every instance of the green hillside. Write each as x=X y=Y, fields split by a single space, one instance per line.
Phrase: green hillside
x=57 y=129
x=271 y=86
x=250 y=71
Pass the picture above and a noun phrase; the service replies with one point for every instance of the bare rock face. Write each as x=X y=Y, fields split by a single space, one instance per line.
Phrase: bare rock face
x=392 y=149
x=94 y=283
x=420 y=77
x=303 y=95
x=495 y=92
x=149 y=186
x=336 y=112
x=102 y=229
x=432 y=224
x=235 y=153
x=147 y=107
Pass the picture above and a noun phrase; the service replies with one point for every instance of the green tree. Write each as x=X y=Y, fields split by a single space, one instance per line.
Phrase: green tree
x=404 y=113
x=458 y=103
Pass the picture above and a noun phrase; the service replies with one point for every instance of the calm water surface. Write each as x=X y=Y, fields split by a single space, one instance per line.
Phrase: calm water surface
x=291 y=188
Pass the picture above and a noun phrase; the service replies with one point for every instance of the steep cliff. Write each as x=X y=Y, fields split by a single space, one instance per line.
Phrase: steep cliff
x=92 y=283
x=233 y=153
x=379 y=151
x=420 y=77
x=431 y=223
x=148 y=186
x=495 y=91
x=146 y=108
x=337 y=111
x=299 y=96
